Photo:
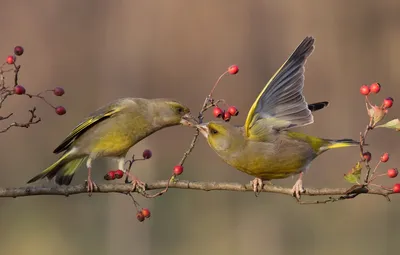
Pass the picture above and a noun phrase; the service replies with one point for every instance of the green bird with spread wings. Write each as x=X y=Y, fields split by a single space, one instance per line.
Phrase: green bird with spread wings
x=266 y=147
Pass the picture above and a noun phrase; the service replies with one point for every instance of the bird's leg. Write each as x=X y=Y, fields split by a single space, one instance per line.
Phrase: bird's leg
x=135 y=181
x=89 y=183
x=121 y=166
x=258 y=185
x=298 y=187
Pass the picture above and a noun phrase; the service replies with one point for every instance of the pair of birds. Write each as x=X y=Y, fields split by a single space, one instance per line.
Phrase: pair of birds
x=265 y=147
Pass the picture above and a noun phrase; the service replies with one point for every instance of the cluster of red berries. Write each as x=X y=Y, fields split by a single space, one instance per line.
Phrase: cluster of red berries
x=391 y=172
x=225 y=115
x=114 y=174
x=232 y=110
x=143 y=214
x=18 y=51
x=118 y=174
x=375 y=88
x=20 y=90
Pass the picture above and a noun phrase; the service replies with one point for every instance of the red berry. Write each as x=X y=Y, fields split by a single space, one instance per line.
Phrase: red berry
x=233 y=111
x=392 y=172
x=60 y=110
x=19 y=90
x=367 y=156
x=10 y=60
x=227 y=116
x=375 y=87
x=385 y=157
x=140 y=216
x=233 y=69
x=146 y=212
x=178 y=170
x=109 y=176
x=147 y=154
x=364 y=90
x=58 y=91
x=18 y=50
x=118 y=174
x=218 y=112
x=388 y=102
x=396 y=188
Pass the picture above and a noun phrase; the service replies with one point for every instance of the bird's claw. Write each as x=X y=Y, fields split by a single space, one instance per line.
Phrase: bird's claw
x=257 y=185
x=138 y=185
x=90 y=186
x=298 y=189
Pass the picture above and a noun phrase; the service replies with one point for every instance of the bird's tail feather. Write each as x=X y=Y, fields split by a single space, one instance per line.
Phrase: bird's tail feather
x=317 y=106
x=64 y=168
x=65 y=177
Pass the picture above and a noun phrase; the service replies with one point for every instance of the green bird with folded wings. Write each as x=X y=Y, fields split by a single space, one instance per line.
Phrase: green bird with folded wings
x=110 y=132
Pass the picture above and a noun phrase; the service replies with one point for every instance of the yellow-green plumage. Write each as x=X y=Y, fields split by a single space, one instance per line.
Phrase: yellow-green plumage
x=278 y=155
x=265 y=147
x=111 y=131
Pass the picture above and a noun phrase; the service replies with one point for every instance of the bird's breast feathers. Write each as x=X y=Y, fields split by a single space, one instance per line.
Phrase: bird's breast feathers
x=272 y=160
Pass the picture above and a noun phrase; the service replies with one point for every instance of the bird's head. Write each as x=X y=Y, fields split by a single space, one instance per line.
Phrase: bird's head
x=172 y=112
x=222 y=136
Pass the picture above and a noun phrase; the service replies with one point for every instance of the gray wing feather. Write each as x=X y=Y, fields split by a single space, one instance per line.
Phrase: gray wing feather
x=283 y=98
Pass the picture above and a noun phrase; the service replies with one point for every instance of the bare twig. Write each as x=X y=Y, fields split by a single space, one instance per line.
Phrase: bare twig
x=32 y=120
x=192 y=185
x=16 y=72
x=363 y=137
x=4 y=95
x=39 y=95
x=6 y=117
x=330 y=199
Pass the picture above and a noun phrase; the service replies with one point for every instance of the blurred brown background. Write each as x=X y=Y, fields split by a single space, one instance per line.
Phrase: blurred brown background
x=101 y=50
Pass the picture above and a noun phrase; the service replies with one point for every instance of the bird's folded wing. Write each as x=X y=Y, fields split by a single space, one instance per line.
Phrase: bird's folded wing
x=95 y=118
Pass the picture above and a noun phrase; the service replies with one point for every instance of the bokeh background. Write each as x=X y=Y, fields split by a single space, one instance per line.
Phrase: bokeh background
x=102 y=50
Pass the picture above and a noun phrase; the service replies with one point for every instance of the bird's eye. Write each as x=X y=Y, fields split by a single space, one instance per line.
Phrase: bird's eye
x=213 y=131
x=180 y=110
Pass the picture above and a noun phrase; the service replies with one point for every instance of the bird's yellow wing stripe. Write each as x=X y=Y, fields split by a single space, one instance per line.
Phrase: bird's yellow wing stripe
x=82 y=127
x=250 y=115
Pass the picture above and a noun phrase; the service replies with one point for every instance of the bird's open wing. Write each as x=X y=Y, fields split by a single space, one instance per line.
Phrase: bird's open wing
x=96 y=117
x=281 y=104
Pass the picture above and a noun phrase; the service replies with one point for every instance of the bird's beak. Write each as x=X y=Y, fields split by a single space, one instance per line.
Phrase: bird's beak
x=203 y=128
x=188 y=120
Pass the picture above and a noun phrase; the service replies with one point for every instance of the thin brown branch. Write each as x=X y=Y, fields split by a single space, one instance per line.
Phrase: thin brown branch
x=16 y=72
x=39 y=95
x=6 y=117
x=32 y=120
x=342 y=193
